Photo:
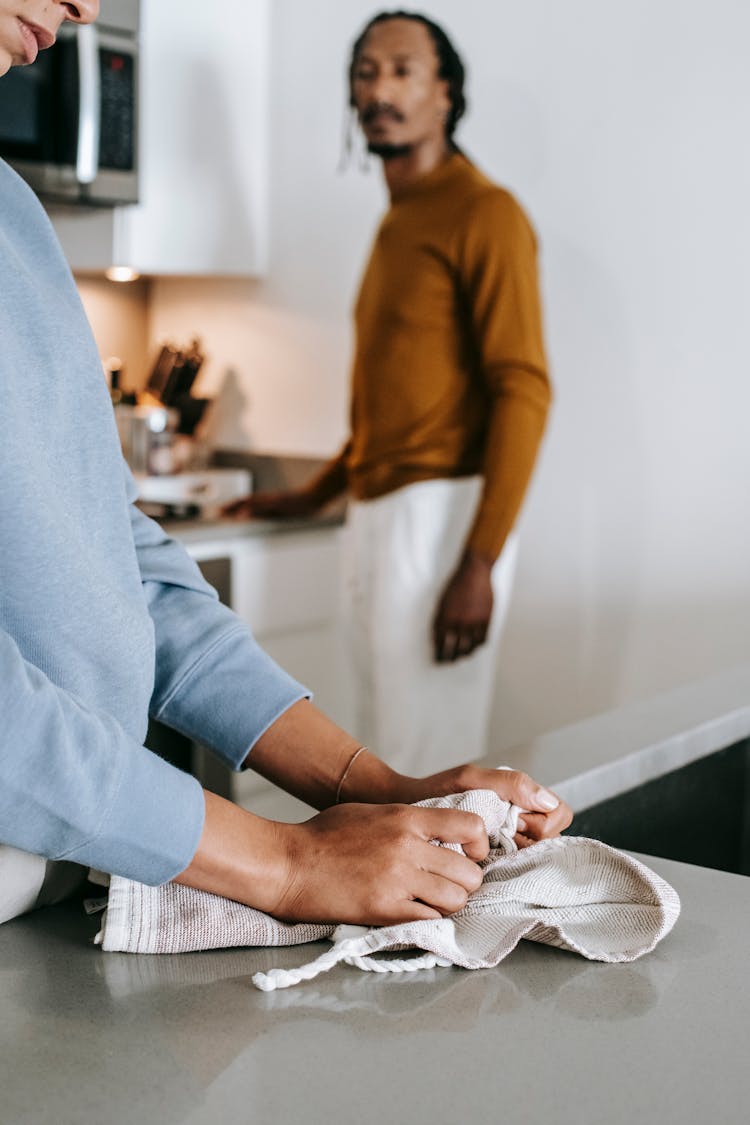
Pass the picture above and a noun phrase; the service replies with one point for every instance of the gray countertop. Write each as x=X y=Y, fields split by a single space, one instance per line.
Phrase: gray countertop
x=269 y=472
x=193 y=531
x=605 y=755
x=545 y=1037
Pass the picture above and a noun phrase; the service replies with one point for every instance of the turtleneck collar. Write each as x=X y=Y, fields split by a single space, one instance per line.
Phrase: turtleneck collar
x=436 y=178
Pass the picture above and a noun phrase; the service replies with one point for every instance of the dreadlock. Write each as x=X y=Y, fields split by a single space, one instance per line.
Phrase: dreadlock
x=450 y=66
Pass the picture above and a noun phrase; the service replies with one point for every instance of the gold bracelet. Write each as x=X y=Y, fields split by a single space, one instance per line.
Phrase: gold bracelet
x=345 y=774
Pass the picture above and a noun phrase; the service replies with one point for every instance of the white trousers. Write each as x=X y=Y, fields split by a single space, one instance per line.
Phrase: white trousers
x=400 y=550
x=28 y=881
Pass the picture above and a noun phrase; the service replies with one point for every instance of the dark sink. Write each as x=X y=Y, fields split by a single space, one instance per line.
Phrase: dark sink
x=698 y=814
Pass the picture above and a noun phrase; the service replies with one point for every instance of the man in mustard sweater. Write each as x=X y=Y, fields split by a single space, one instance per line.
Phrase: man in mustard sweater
x=449 y=400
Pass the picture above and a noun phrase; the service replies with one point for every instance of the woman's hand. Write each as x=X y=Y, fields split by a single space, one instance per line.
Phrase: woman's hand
x=545 y=814
x=368 y=865
x=371 y=780
x=376 y=865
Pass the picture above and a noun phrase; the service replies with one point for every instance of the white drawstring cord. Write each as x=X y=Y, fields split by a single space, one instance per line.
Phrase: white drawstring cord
x=351 y=946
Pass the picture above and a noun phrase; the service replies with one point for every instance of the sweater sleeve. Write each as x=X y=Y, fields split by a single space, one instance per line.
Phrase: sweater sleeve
x=213 y=681
x=331 y=481
x=74 y=785
x=498 y=270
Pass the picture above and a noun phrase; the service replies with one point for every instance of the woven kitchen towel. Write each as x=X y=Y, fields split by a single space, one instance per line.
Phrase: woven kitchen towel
x=571 y=892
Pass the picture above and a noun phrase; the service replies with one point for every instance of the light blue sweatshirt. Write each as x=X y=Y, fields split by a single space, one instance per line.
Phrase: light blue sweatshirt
x=103 y=619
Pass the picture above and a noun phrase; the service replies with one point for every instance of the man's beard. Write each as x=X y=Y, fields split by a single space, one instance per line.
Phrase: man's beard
x=389 y=152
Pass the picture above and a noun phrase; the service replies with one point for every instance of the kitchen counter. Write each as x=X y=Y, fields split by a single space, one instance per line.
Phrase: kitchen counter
x=545 y=1037
x=194 y=531
x=269 y=472
x=608 y=754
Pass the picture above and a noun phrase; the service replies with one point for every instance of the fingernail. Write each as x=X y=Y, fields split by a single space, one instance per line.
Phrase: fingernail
x=546 y=799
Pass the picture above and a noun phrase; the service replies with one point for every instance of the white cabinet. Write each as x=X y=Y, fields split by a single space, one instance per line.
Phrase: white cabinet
x=203 y=145
x=286 y=587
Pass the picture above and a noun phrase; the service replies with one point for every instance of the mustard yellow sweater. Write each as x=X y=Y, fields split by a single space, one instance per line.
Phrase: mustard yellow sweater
x=449 y=376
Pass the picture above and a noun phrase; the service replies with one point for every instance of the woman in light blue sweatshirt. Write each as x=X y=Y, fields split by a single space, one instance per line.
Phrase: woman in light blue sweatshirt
x=104 y=620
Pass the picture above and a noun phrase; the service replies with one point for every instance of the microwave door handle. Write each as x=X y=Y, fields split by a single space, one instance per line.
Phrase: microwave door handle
x=89 y=121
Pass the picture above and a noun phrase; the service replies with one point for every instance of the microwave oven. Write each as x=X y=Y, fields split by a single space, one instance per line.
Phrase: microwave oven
x=68 y=122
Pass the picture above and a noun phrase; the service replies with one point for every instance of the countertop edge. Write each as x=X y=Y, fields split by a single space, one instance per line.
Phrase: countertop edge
x=194 y=532
x=609 y=754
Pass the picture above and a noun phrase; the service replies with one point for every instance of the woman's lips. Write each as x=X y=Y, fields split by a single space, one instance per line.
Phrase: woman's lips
x=34 y=40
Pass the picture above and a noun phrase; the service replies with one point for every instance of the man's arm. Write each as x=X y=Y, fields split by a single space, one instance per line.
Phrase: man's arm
x=296 y=503
x=498 y=269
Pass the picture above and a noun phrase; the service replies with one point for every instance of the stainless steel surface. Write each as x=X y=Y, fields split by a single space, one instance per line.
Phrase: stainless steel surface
x=77 y=178
x=546 y=1037
x=123 y=15
x=89 y=100
x=146 y=432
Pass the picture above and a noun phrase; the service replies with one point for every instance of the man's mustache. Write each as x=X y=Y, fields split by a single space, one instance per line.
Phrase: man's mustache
x=379 y=109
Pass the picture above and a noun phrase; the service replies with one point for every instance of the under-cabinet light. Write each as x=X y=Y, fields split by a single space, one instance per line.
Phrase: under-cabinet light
x=121 y=273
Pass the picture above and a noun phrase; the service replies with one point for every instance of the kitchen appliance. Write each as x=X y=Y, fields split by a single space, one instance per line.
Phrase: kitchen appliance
x=68 y=124
x=147 y=436
x=192 y=494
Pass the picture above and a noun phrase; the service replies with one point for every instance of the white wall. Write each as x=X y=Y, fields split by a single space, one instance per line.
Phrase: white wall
x=119 y=316
x=623 y=130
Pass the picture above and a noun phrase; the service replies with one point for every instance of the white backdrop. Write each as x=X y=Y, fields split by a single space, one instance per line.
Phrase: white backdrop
x=623 y=130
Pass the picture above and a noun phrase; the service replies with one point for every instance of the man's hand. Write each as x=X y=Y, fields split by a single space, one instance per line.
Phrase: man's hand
x=375 y=865
x=294 y=504
x=546 y=814
x=464 y=610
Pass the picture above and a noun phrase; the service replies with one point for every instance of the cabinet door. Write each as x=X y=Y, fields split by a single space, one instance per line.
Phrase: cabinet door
x=288 y=581
x=315 y=657
x=203 y=138
x=287 y=588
